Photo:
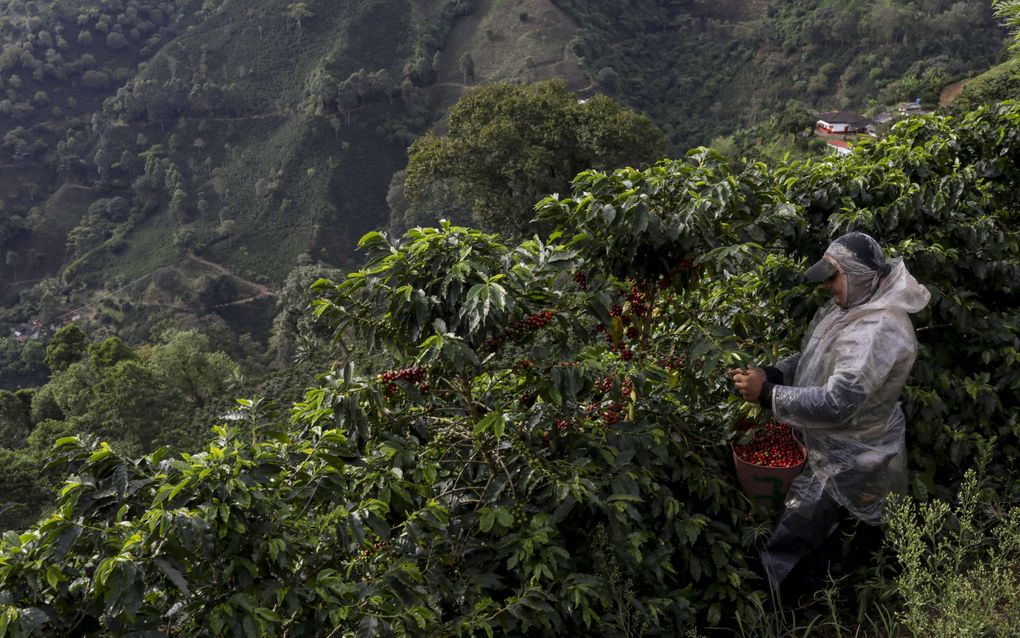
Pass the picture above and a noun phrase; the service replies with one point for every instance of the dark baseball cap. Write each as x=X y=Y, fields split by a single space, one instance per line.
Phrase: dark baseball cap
x=820 y=271
x=865 y=250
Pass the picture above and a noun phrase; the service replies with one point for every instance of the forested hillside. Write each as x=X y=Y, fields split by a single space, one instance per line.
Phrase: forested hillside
x=175 y=160
x=703 y=69
x=142 y=135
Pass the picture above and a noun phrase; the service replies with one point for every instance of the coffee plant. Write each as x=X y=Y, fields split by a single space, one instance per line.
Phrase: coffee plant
x=535 y=439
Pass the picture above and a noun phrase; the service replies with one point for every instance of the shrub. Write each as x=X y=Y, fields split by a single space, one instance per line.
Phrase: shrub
x=960 y=564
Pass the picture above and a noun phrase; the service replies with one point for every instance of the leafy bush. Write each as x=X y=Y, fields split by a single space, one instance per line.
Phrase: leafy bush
x=960 y=565
x=520 y=440
x=463 y=500
x=509 y=145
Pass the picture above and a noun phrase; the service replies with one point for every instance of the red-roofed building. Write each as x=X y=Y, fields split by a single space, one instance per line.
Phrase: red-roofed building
x=842 y=123
x=841 y=147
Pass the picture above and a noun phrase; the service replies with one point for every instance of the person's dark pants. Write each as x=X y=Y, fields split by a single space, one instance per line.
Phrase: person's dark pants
x=795 y=556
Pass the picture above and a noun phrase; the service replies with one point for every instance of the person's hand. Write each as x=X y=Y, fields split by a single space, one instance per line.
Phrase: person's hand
x=748 y=382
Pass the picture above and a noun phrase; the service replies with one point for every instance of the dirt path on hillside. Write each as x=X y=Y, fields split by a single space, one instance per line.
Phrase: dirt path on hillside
x=950 y=92
x=11 y=284
x=212 y=118
x=238 y=302
x=22 y=165
x=260 y=290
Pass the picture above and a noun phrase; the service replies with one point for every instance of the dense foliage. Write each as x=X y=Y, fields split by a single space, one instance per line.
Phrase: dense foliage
x=136 y=400
x=1001 y=82
x=506 y=146
x=538 y=444
x=1009 y=12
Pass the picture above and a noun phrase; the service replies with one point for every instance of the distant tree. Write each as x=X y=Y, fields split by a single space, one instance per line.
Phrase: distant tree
x=296 y=11
x=10 y=227
x=467 y=67
x=796 y=117
x=186 y=362
x=15 y=142
x=130 y=404
x=102 y=161
x=25 y=489
x=45 y=406
x=440 y=200
x=117 y=208
x=21 y=363
x=358 y=89
x=261 y=188
x=95 y=79
x=168 y=280
x=507 y=146
x=90 y=231
x=11 y=261
x=66 y=347
x=179 y=206
x=109 y=352
x=15 y=420
x=609 y=79
x=294 y=327
x=116 y=41
x=215 y=290
x=51 y=299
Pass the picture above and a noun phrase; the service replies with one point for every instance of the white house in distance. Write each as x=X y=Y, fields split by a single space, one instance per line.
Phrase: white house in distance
x=839 y=146
x=910 y=108
x=841 y=123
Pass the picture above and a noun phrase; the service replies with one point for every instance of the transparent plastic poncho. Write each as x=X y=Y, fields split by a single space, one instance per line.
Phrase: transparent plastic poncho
x=845 y=389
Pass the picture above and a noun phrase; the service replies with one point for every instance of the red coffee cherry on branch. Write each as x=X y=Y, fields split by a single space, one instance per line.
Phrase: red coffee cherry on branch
x=520 y=329
x=414 y=375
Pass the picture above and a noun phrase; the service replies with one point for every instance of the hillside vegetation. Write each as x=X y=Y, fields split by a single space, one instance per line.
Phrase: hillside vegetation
x=533 y=439
x=259 y=135
x=248 y=133
x=702 y=69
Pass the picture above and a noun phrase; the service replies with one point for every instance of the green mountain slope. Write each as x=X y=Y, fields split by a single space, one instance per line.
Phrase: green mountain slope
x=137 y=135
x=255 y=134
x=702 y=69
x=202 y=134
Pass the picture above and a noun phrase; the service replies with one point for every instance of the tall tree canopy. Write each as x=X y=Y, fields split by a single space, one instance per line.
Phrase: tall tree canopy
x=509 y=145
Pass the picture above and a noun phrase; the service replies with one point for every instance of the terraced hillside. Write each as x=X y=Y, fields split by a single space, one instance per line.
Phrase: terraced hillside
x=263 y=134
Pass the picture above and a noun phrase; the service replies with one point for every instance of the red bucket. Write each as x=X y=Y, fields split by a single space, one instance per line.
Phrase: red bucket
x=763 y=483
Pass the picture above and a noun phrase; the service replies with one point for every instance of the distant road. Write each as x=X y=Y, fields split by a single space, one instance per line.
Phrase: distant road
x=950 y=92
x=260 y=290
